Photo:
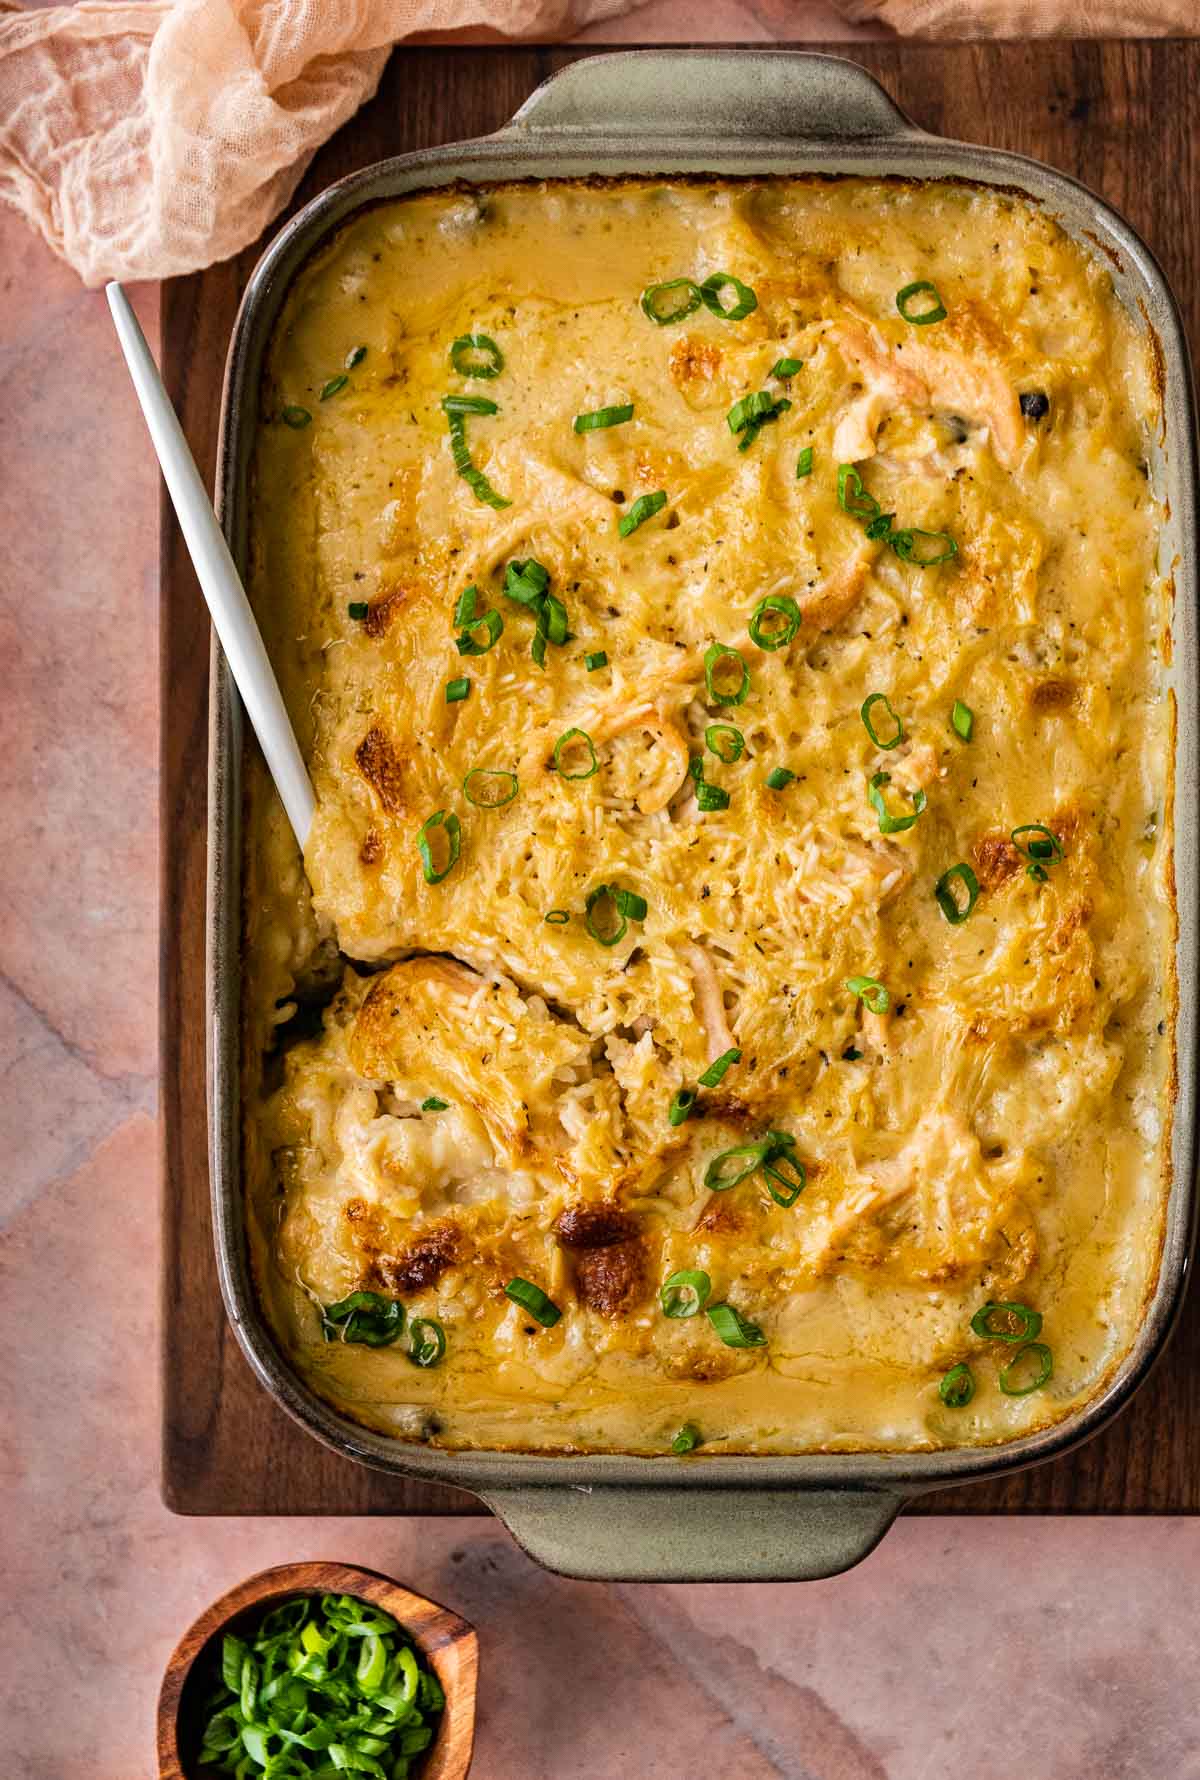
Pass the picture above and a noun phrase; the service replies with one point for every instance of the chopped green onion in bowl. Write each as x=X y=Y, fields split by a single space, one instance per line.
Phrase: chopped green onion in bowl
x=322 y=1684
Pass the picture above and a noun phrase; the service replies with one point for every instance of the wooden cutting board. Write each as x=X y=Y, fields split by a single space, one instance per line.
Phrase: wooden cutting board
x=1119 y=117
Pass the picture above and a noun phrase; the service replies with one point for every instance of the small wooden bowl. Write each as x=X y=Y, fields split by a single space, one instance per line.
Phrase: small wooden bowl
x=447 y=1642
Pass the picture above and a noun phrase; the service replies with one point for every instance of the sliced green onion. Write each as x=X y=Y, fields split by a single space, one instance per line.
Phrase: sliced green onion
x=889 y=824
x=779 y=778
x=734 y=1329
x=682 y=1102
x=1009 y=1322
x=556 y=917
x=552 y=619
x=491 y=623
x=431 y=1103
x=448 y=823
x=457 y=690
x=726 y=742
x=355 y=357
x=358 y=609
x=958 y=1386
x=870 y=991
x=574 y=739
x=365 y=1318
x=534 y=1300
x=600 y=418
x=475 y=479
x=746 y=409
x=716 y=656
x=774 y=621
x=1044 y=1374
x=962 y=720
x=928 y=312
x=465 y=606
x=954 y=911
x=786 y=367
x=786 y=1179
x=852 y=496
x=372 y=1663
x=476 y=355
x=747 y=1158
x=711 y=798
x=334 y=386
x=685 y=1294
x=626 y=906
x=459 y=405
x=295 y=416
x=908 y=549
x=744 y=301
x=804 y=463
x=719 y=1068
x=661 y=304
x=880 y=527
x=526 y=582
x=687 y=1440
x=597 y=659
x=426 y=1341
x=1044 y=845
x=868 y=705
x=645 y=507
x=489 y=787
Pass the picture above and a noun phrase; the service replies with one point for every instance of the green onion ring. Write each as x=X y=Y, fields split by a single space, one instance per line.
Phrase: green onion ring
x=922 y=319
x=685 y=1294
x=564 y=742
x=1048 y=846
x=734 y=1329
x=1044 y=1375
x=449 y=823
x=779 y=778
x=954 y=911
x=868 y=705
x=958 y=1386
x=682 y=1103
x=652 y=301
x=687 y=1440
x=534 y=1300
x=556 y=917
x=491 y=623
x=426 y=1341
x=852 y=496
x=871 y=992
x=600 y=418
x=645 y=507
x=461 y=360
x=786 y=608
x=714 y=655
x=626 y=905
x=719 y=736
x=786 y=1178
x=1028 y=1323
x=744 y=302
x=295 y=416
x=365 y=1318
x=889 y=824
x=904 y=543
x=485 y=802
x=720 y=1067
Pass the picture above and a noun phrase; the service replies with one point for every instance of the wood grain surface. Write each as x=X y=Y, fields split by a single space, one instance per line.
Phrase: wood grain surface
x=1118 y=116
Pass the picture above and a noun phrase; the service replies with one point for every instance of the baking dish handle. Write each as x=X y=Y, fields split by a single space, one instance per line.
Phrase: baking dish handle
x=772 y=95
x=614 y=1534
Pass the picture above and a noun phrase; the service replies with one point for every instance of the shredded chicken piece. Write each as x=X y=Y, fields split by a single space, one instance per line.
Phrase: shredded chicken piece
x=825 y=607
x=915 y=765
x=710 y=1003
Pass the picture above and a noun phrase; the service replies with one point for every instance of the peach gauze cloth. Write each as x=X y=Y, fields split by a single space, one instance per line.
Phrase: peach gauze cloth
x=148 y=139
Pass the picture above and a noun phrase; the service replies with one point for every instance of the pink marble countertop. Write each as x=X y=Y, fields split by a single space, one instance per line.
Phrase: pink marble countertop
x=1061 y=1650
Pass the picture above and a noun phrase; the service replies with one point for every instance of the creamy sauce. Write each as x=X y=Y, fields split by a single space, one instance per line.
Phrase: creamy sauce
x=1001 y=1131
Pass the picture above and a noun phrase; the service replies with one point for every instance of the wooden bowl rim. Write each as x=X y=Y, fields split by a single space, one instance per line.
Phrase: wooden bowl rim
x=434 y=1629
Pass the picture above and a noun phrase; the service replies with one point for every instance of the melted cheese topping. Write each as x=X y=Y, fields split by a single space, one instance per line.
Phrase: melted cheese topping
x=999 y=1133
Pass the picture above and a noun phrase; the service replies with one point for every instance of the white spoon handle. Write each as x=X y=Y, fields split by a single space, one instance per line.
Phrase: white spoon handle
x=218 y=577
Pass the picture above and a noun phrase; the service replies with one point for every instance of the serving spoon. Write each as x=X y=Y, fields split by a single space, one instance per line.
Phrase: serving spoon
x=217 y=574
